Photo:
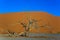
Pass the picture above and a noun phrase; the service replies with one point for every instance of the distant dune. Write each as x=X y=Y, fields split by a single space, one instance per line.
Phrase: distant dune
x=11 y=22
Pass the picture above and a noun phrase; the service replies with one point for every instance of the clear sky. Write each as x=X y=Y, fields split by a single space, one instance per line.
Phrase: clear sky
x=50 y=6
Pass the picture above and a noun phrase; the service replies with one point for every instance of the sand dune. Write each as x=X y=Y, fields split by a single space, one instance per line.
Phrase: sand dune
x=12 y=22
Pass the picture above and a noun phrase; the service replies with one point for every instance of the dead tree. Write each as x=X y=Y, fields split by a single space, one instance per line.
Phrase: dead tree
x=28 y=25
x=24 y=25
x=10 y=33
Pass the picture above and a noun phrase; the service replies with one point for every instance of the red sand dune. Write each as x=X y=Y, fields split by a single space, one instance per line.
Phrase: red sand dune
x=43 y=18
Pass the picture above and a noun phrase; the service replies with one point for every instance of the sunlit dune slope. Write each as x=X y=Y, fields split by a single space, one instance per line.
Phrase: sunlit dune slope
x=11 y=22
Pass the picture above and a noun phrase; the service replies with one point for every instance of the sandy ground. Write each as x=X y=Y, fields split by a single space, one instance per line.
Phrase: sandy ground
x=32 y=37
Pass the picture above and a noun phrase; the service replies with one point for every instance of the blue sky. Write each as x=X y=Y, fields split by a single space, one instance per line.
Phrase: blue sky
x=50 y=6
